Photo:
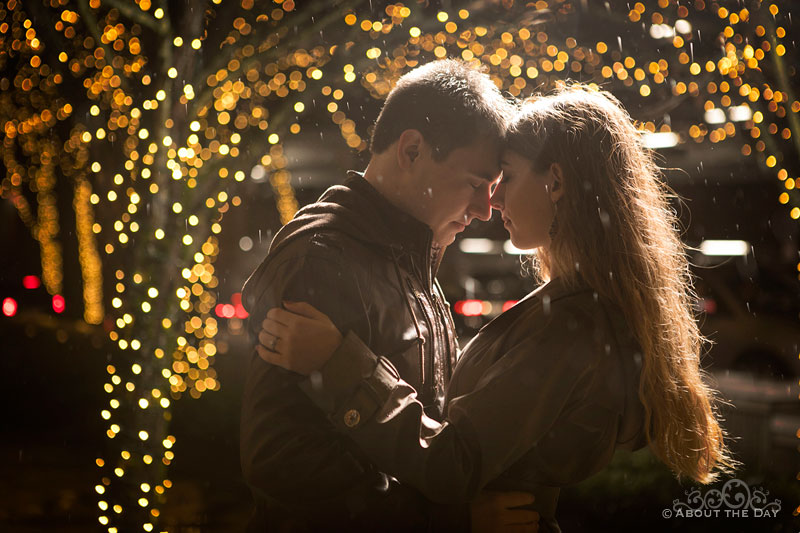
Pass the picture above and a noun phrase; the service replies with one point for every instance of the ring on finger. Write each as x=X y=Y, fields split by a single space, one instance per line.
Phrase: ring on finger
x=273 y=343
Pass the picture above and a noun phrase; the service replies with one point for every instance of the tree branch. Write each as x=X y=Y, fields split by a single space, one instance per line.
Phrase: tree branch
x=221 y=60
x=90 y=21
x=783 y=82
x=138 y=15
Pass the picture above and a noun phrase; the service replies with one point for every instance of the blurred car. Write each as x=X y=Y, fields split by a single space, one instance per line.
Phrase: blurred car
x=751 y=315
x=751 y=318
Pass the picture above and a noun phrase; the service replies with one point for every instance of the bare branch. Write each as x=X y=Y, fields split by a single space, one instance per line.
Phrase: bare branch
x=90 y=21
x=221 y=60
x=137 y=15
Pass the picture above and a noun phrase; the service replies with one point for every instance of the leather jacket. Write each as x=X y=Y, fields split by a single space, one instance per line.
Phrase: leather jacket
x=371 y=268
x=541 y=398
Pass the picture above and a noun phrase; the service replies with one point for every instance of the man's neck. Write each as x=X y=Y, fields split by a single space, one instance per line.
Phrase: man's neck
x=385 y=181
x=375 y=175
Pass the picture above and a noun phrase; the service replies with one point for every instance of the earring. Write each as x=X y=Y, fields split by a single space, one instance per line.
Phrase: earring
x=554 y=224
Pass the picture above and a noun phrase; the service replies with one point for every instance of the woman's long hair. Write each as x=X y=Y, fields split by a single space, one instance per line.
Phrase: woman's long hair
x=615 y=230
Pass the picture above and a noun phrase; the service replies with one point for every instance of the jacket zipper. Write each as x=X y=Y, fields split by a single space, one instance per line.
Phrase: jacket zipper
x=432 y=322
x=404 y=280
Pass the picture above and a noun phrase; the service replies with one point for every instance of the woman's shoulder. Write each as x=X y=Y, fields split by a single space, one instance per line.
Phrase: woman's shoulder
x=577 y=315
x=574 y=301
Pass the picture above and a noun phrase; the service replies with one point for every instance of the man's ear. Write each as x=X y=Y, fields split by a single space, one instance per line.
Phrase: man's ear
x=409 y=147
x=556 y=182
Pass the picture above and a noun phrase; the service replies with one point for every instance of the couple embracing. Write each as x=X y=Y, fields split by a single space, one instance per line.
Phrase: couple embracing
x=359 y=412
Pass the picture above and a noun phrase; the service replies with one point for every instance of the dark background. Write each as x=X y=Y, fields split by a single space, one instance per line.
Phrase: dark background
x=51 y=373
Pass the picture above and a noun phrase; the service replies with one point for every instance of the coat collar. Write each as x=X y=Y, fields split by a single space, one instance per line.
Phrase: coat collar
x=547 y=294
x=395 y=228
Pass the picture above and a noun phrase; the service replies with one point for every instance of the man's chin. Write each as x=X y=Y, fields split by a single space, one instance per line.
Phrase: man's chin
x=445 y=240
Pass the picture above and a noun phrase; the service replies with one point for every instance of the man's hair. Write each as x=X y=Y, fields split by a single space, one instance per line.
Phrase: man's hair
x=450 y=103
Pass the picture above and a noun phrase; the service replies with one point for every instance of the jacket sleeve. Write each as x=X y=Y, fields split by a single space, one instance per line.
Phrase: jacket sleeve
x=512 y=409
x=290 y=453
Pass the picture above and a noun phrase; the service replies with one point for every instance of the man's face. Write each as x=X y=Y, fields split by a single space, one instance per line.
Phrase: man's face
x=451 y=193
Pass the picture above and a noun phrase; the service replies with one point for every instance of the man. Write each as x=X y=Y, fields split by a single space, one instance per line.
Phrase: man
x=366 y=254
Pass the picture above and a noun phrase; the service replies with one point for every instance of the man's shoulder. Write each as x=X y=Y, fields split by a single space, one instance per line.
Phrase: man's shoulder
x=328 y=244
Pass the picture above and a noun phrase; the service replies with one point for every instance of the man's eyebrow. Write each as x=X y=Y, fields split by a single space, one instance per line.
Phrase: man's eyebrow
x=488 y=176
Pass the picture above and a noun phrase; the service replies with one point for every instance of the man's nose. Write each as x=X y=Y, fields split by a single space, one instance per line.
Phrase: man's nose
x=497 y=199
x=481 y=207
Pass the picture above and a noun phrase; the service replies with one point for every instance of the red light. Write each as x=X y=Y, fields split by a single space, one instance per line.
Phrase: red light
x=9 y=307
x=236 y=309
x=509 y=304
x=58 y=303
x=225 y=310
x=241 y=312
x=469 y=307
x=31 y=282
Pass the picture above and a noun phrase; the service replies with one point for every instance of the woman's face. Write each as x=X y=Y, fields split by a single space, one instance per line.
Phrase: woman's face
x=525 y=199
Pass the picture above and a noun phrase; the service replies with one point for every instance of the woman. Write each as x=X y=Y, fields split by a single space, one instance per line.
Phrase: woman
x=603 y=356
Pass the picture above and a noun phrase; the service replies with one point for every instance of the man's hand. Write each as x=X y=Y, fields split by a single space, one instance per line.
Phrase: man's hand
x=298 y=338
x=496 y=512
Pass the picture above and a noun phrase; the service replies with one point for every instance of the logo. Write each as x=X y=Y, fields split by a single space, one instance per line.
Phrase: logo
x=734 y=500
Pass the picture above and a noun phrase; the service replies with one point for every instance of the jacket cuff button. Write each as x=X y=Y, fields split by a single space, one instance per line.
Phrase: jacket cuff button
x=352 y=418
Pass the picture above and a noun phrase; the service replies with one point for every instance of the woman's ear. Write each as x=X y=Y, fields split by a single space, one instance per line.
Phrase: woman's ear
x=409 y=146
x=556 y=182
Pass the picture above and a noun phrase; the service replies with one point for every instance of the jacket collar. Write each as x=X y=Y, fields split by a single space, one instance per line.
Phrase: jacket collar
x=358 y=210
x=395 y=227
x=559 y=287
x=553 y=290
x=404 y=234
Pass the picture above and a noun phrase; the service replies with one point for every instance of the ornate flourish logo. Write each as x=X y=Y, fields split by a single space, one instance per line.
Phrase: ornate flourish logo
x=734 y=500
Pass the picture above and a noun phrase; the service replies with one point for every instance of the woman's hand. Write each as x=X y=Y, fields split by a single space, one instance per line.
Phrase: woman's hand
x=299 y=338
x=497 y=512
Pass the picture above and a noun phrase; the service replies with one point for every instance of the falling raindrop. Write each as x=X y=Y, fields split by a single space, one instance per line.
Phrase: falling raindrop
x=619 y=42
x=605 y=219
